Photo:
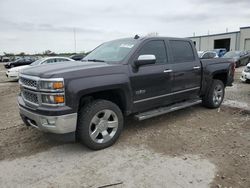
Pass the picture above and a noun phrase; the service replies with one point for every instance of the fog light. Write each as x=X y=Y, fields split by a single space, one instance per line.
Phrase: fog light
x=44 y=121
x=49 y=121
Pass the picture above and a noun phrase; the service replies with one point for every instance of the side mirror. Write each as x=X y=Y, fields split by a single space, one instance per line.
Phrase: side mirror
x=145 y=60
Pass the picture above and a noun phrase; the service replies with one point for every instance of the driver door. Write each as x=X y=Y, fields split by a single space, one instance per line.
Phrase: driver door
x=151 y=84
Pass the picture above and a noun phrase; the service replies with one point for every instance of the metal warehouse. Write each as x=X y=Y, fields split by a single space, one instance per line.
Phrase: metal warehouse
x=238 y=40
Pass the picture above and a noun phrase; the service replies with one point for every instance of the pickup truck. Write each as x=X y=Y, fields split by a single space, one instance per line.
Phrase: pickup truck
x=144 y=77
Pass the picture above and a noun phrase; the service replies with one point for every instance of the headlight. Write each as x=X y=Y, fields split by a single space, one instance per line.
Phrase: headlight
x=53 y=99
x=52 y=85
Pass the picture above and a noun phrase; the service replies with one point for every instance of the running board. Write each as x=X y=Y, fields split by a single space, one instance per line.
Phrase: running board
x=167 y=109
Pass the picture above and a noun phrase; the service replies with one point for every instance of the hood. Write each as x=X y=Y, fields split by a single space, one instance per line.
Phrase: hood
x=69 y=69
x=17 y=69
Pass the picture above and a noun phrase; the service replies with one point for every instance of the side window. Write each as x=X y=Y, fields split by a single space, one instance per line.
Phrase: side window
x=156 y=48
x=50 y=61
x=212 y=55
x=61 y=59
x=206 y=55
x=182 y=51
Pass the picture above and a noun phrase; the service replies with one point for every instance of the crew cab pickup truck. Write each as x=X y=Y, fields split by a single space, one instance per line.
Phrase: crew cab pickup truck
x=144 y=77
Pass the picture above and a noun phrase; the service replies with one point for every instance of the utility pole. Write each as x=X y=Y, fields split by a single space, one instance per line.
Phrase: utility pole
x=208 y=33
x=74 y=30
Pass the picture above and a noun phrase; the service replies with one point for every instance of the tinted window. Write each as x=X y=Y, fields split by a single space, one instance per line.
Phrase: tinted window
x=206 y=55
x=50 y=61
x=182 y=51
x=156 y=48
x=61 y=59
x=212 y=55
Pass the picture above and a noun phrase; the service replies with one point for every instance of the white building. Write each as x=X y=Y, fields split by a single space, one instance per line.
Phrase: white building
x=238 y=40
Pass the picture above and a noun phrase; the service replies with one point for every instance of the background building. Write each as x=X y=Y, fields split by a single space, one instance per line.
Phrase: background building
x=238 y=40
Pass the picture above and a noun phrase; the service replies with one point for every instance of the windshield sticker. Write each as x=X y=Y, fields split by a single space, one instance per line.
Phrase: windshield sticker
x=126 y=46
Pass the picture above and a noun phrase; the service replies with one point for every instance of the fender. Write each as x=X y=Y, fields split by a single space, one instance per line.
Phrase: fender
x=78 y=88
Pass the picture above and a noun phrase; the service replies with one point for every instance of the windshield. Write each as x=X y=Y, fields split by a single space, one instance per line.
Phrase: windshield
x=231 y=54
x=112 y=51
x=37 y=62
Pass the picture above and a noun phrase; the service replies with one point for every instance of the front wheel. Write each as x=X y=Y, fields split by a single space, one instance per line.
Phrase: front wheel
x=100 y=123
x=215 y=95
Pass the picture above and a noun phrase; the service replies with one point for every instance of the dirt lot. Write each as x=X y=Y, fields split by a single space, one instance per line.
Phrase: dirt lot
x=194 y=147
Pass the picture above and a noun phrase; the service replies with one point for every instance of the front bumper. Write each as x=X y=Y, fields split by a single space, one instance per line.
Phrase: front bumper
x=54 y=124
x=245 y=76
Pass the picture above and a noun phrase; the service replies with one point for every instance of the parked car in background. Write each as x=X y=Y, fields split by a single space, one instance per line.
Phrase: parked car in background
x=207 y=54
x=220 y=51
x=20 y=62
x=245 y=75
x=4 y=59
x=13 y=73
x=77 y=57
x=240 y=58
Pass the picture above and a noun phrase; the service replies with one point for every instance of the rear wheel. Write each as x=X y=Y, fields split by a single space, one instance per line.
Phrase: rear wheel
x=215 y=95
x=99 y=124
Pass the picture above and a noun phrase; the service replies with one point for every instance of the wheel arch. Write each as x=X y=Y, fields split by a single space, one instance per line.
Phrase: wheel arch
x=115 y=95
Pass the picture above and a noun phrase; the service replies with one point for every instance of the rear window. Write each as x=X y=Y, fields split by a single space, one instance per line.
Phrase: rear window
x=182 y=51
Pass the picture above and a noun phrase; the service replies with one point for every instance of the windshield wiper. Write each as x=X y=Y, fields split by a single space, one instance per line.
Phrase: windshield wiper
x=95 y=60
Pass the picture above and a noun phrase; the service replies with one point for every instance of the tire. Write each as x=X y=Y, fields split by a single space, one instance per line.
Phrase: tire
x=214 y=95
x=11 y=66
x=103 y=120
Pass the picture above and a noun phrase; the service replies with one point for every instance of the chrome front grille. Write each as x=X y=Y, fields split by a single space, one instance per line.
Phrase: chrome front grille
x=29 y=83
x=30 y=97
x=32 y=94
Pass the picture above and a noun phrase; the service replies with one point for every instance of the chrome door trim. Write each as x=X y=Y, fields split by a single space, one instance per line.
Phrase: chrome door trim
x=165 y=95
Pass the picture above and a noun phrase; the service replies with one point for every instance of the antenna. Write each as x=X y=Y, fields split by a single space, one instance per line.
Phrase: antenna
x=136 y=36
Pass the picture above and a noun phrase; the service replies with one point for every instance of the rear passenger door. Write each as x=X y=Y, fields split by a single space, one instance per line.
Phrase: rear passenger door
x=186 y=69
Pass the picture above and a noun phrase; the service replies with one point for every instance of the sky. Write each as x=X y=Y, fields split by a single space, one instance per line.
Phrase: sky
x=33 y=26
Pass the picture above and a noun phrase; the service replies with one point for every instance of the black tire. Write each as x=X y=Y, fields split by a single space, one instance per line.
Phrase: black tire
x=85 y=126
x=11 y=66
x=209 y=100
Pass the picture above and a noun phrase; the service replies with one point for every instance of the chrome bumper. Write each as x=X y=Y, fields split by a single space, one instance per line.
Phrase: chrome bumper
x=54 y=124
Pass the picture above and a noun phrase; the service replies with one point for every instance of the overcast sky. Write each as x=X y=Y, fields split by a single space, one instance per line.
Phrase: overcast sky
x=38 y=25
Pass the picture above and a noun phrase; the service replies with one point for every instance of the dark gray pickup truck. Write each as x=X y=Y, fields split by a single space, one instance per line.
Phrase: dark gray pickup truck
x=144 y=77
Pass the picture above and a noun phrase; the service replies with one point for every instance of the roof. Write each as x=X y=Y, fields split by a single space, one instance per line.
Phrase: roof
x=247 y=27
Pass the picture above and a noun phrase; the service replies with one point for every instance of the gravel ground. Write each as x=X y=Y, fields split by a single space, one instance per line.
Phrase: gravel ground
x=193 y=147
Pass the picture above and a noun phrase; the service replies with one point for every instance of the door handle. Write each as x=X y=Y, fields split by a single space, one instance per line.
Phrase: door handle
x=196 y=67
x=167 y=70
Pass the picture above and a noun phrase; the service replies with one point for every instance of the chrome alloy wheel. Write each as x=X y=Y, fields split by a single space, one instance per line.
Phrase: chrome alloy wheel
x=218 y=94
x=103 y=126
